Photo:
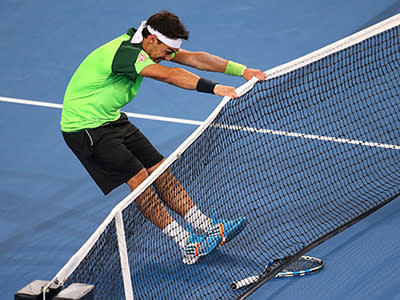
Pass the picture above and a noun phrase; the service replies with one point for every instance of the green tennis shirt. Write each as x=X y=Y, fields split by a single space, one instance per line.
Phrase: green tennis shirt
x=105 y=81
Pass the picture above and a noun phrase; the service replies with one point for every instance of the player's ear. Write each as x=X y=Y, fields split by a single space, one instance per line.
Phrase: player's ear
x=153 y=39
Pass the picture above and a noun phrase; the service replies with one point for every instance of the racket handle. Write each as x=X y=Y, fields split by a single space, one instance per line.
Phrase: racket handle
x=244 y=282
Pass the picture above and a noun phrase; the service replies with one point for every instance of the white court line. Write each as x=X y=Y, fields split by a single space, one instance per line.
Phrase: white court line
x=308 y=136
x=231 y=127
x=133 y=115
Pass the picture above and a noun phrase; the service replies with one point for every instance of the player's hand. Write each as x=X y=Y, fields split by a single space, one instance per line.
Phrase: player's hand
x=250 y=73
x=223 y=90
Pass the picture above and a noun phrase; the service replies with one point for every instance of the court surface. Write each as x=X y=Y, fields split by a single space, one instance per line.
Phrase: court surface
x=50 y=206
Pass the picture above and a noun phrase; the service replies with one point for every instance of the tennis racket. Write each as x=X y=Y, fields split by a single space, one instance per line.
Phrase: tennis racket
x=303 y=266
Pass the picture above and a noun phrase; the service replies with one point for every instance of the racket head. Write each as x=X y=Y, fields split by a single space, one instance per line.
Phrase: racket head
x=305 y=265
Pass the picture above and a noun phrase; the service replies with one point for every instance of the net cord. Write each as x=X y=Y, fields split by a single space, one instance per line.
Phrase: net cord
x=76 y=259
x=334 y=47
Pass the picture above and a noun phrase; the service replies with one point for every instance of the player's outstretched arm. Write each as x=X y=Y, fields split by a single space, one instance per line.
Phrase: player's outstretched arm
x=208 y=62
x=187 y=80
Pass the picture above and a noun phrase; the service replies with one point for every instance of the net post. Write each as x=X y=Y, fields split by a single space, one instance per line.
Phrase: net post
x=37 y=289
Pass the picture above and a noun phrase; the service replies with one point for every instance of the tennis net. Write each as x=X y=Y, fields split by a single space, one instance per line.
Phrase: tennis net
x=302 y=155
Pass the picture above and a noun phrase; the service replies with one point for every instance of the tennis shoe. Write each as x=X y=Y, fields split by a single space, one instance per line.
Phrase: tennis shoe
x=226 y=229
x=197 y=246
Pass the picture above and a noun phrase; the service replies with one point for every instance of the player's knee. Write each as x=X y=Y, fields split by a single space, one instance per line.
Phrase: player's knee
x=137 y=179
x=153 y=168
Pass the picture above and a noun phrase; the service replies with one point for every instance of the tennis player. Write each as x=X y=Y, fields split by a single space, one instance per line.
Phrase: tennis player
x=114 y=151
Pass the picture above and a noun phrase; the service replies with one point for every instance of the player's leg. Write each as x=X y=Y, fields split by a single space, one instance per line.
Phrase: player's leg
x=193 y=246
x=172 y=192
x=167 y=186
x=148 y=202
x=175 y=197
x=151 y=204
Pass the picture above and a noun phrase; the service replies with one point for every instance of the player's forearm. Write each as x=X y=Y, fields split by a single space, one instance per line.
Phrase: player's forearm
x=187 y=80
x=181 y=78
x=201 y=60
x=208 y=62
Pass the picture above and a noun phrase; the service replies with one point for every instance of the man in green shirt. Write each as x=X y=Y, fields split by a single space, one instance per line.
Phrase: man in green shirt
x=114 y=151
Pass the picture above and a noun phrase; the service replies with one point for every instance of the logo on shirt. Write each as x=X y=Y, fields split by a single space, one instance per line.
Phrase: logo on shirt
x=142 y=57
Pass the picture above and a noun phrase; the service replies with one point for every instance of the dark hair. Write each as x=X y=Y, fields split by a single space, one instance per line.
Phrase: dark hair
x=168 y=24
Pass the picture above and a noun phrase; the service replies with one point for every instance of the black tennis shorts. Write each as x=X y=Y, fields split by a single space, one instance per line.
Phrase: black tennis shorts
x=113 y=153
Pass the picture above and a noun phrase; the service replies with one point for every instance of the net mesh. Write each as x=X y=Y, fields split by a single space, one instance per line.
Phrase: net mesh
x=299 y=155
x=101 y=267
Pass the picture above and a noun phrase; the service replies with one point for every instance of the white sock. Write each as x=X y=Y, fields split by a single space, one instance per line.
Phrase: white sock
x=177 y=233
x=197 y=219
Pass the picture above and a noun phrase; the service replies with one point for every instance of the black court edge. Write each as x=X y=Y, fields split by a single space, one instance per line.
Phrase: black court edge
x=317 y=242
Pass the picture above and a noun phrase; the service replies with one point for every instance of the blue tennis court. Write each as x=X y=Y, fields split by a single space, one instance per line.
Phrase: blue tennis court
x=51 y=205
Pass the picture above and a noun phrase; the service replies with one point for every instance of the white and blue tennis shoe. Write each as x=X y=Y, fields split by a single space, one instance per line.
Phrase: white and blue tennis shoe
x=226 y=229
x=198 y=245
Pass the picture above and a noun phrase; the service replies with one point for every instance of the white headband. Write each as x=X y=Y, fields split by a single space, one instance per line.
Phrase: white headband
x=138 y=37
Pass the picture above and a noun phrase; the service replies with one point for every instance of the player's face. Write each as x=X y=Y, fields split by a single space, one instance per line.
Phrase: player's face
x=161 y=51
